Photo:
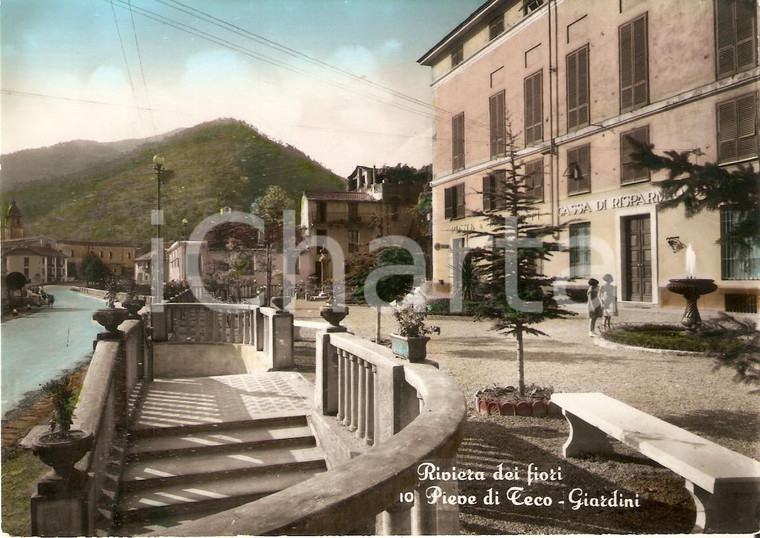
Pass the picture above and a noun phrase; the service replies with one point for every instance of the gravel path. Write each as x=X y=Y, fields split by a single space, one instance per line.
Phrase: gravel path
x=683 y=390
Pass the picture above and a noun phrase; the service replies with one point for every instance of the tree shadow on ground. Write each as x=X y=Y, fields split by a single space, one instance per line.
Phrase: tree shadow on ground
x=665 y=506
x=554 y=356
x=739 y=425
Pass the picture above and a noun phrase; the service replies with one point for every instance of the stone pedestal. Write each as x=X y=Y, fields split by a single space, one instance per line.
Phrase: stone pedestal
x=61 y=507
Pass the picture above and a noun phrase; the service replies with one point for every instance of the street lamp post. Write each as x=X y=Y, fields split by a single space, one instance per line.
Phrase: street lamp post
x=158 y=165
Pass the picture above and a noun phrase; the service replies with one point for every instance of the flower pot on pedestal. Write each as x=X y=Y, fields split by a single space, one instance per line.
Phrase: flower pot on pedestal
x=280 y=303
x=110 y=318
x=411 y=348
x=62 y=450
x=133 y=306
x=333 y=314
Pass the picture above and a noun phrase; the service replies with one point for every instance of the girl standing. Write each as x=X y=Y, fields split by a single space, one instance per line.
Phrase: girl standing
x=594 y=305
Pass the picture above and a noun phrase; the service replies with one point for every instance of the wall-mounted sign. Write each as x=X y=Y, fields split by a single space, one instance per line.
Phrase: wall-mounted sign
x=614 y=202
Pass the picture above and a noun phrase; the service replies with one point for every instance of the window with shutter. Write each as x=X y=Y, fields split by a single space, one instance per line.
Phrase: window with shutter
x=454 y=201
x=460 y=201
x=534 y=179
x=457 y=56
x=630 y=171
x=496 y=27
x=580 y=250
x=457 y=142
x=738 y=262
x=634 y=64
x=531 y=5
x=735 y=36
x=533 y=108
x=497 y=112
x=737 y=128
x=487 y=192
x=579 y=170
x=577 y=89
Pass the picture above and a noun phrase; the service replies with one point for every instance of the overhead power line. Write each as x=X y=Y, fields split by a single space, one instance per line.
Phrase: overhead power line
x=409 y=101
x=247 y=52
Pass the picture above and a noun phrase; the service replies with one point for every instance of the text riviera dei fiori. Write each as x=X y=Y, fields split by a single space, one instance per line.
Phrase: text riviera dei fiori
x=576 y=498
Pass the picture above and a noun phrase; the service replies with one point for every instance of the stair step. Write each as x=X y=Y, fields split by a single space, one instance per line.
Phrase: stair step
x=144 y=431
x=147 y=472
x=253 y=435
x=151 y=504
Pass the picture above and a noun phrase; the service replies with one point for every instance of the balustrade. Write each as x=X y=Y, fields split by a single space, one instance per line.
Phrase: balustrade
x=72 y=507
x=268 y=330
x=409 y=413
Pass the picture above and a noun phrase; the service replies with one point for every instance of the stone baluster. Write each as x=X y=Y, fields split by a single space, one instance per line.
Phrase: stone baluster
x=370 y=372
x=341 y=390
x=346 y=382
x=396 y=520
x=361 y=367
x=354 y=392
x=229 y=319
x=424 y=514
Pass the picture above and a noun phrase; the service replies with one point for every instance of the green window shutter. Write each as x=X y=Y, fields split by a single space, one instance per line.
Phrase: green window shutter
x=640 y=62
x=497 y=113
x=626 y=66
x=533 y=108
x=735 y=36
x=746 y=13
x=487 y=193
x=629 y=170
x=746 y=127
x=572 y=90
x=584 y=161
x=577 y=88
x=459 y=212
x=727 y=131
x=583 y=87
x=448 y=202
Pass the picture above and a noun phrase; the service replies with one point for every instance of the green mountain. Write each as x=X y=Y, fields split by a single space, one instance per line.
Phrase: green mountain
x=208 y=167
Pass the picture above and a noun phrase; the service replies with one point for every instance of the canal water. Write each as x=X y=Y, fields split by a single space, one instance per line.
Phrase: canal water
x=43 y=345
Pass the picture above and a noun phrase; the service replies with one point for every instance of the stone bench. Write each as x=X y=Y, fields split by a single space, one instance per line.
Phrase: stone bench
x=725 y=485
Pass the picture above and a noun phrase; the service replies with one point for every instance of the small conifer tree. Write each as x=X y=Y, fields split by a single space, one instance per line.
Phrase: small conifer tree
x=513 y=292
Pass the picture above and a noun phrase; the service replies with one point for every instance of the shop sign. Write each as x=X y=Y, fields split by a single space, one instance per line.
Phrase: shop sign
x=614 y=202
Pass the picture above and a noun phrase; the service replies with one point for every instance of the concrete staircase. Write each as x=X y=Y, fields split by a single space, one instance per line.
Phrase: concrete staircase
x=175 y=474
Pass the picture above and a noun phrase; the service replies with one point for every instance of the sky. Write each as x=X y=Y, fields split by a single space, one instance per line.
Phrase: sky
x=337 y=79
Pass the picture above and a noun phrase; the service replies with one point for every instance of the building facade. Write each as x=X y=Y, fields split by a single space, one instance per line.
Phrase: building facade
x=370 y=208
x=39 y=264
x=118 y=256
x=571 y=80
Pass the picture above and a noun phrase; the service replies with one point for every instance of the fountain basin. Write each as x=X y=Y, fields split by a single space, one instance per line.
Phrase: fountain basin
x=691 y=286
x=691 y=289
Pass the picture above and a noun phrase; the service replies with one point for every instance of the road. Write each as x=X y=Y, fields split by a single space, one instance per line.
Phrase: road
x=41 y=346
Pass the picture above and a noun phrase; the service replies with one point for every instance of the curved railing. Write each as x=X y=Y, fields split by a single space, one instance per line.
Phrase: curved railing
x=81 y=504
x=418 y=416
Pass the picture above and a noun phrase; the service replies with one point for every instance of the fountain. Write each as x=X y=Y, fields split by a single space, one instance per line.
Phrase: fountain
x=691 y=288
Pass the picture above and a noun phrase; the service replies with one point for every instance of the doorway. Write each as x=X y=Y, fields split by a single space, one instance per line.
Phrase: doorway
x=637 y=252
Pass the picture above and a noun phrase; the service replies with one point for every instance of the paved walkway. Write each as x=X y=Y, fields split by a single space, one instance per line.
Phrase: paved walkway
x=222 y=399
x=684 y=390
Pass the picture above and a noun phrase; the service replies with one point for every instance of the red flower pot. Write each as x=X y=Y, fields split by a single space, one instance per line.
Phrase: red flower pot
x=507 y=409
x=540 y=409
x=524 y=409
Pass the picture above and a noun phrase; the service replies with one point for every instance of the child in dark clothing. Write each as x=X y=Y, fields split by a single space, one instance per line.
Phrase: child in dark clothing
x=594 y=305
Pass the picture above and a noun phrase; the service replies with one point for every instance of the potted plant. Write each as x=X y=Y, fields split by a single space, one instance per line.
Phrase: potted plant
x=111 y=317
x=62 y=448
x=133 y=304
x=410 y=339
